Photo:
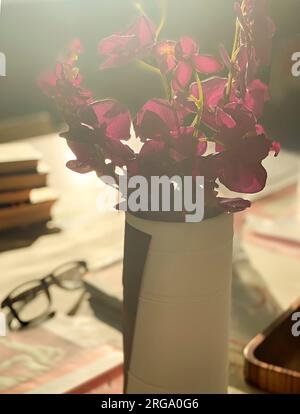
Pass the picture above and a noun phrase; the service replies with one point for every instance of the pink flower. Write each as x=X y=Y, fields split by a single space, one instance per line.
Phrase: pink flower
x=258 y=29
x=159 y=121
x=234 y=122
x=171 y=133
x=240 y=167
x=189 y=60
x=86 y=160
x=207 y=166
x=243 y=147
x=164 y=53
x=64 y=83
x=213 y=92
x=158 y=126
x=104 y=124
x=136 y=43
x=255 y=97
x=155 y=120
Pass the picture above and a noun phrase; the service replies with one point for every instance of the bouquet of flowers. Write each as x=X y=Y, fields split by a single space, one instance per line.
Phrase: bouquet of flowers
x=206 y=125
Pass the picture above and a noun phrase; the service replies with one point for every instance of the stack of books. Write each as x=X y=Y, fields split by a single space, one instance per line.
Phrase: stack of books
x=25 y=198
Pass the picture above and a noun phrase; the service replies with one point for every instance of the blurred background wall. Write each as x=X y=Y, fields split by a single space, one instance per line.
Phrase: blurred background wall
x=34 y=32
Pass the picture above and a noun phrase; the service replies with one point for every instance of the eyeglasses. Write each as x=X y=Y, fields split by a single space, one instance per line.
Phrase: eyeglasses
x=31 y=302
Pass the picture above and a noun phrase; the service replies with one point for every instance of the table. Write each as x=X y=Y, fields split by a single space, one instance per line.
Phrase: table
x=90 y=230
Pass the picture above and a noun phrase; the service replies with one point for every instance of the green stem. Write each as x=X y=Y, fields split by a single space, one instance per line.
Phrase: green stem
x=163 y=4
x=199 y=104
x=166 y=85
x=165 y=82
x=148 y=66
x=139 y=7
x=233 y=57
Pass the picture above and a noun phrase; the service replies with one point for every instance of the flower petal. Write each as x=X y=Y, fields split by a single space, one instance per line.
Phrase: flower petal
x=206 y=64
x=240 y=169
x=183 y=144
x=223 y=119
x=164 y=53
x=151 y=158
x=152 y=148
x=186 y=48
x=133 y=167
x=201 y=148
x=113 y=44
x=156 y=119
x=115 y=61
x=256 y=96
x=114 y=116
x=225 y=56
x=219 y=147
x=260 y=130
x=135 y=43
x=276 y=147
x=183 y=76
x=245 y=124
x=213 y=90
x=233 y=205
x=86 y=157
x=80 y=167
x=79 y=134
x=83 y=152
x=117 y=152
x=144 y=31
x=243 y=178
x=119 y=127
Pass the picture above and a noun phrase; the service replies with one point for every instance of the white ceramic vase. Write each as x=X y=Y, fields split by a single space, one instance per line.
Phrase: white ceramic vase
x=179 y=335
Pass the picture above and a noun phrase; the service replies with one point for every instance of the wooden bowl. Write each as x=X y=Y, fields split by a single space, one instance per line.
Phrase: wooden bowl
x=272 y=358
